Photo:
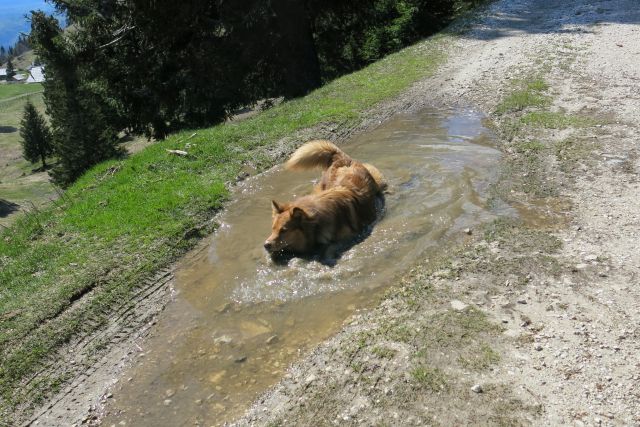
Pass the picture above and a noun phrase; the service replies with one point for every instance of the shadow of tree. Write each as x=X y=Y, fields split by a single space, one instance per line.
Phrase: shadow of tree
x=7 y=208
x=553 y=16
x=8 y=129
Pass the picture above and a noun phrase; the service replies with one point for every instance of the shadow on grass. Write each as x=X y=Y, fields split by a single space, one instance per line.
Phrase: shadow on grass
x=7 y=208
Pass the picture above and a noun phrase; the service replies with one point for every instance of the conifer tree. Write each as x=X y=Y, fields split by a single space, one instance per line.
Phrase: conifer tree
x=36 y=136
x=10 y=70
x=84 y=133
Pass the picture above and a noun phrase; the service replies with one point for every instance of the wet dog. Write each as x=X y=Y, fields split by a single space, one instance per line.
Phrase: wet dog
x=340 y=207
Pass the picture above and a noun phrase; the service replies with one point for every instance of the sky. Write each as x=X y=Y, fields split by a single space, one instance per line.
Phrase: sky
x=12 y=18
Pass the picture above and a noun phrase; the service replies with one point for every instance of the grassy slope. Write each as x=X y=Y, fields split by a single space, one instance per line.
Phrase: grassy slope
x=18 y=183
x=11 y=90
x=125 y=219
x=24 y=61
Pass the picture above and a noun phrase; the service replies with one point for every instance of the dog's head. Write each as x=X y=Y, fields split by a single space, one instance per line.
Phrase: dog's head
x=287 y=230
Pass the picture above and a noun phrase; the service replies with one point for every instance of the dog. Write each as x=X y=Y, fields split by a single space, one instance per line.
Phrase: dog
x=341 y=206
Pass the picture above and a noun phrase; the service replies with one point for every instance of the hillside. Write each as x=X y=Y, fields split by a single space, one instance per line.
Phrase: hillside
x=22 y=185
x=24 y=61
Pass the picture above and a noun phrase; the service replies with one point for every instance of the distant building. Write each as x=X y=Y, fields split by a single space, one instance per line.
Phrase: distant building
x=3 y=74
x=36 y=74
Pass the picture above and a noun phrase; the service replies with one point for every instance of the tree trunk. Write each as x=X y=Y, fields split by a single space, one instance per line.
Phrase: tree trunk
x=44 y=164
x=296 y=50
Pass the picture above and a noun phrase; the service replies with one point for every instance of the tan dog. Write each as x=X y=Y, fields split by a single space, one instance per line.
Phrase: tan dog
x=340 y=207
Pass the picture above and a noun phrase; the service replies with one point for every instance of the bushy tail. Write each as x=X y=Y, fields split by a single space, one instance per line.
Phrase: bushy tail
x=315 y=154
x=377 y=177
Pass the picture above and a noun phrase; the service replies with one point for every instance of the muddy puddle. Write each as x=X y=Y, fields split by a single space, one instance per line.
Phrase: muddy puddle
x=238 y=319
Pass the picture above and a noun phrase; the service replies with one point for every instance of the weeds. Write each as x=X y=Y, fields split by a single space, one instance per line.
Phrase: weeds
x=432 y=379
x=530 y=95
x=555 y=120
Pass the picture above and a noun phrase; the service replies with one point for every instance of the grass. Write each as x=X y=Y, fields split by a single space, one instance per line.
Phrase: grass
x=573 y=151
x=483 y=358
x=24 y=60
x=523 y=119
x=125 y=219
x=18 y=183
x=510 y=232
x=555 y=120
x=452 y=329
x=530 y=94
x=384 y=352
x=527 y=147
x=432 y=379
x=12 y=90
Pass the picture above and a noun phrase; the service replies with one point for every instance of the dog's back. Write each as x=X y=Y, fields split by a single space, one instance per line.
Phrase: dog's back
x=339 y=169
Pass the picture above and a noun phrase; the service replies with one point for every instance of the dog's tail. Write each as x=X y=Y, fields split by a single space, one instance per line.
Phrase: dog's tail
x=316 y=154
x=377 y=177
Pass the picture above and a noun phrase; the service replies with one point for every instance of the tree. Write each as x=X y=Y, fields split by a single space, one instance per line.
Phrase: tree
x=154 y=67
x=83 y=124
x=298 y=56
x=36 y=136
x=10 y=70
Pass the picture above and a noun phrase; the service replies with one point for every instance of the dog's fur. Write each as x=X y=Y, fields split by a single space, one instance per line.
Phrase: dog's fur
x=340 y=207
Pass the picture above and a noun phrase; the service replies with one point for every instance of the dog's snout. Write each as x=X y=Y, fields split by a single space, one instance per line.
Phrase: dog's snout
x=268 y=245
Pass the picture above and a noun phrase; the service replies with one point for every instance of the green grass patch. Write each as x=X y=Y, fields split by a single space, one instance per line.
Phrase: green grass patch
x=555 y=120
x=17 y=181
x=481 y=359
x=384 y=352
x=530 y=93
x=526 y=147
x=456 y=328
x=12 y=90
x=125 y=219
x=432 y=379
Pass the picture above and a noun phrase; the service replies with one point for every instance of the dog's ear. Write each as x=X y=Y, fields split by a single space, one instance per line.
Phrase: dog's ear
x=299 y=214
x=276 y=208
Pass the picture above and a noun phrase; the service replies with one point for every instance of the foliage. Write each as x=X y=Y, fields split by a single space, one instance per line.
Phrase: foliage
x=20 y=47
x=36 y=136
x=10 y=70
x=153 y=68
x=84 y=124
x=349 y=35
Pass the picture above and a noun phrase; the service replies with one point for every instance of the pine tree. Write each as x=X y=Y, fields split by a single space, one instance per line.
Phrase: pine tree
x=10 y=70
x=81 y=122
x=36 y=136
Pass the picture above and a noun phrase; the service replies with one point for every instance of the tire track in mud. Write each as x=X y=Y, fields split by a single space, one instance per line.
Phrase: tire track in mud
x=93 y=371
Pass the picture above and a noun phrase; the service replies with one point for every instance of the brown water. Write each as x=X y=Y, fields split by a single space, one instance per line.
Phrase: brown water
x=238 y=319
